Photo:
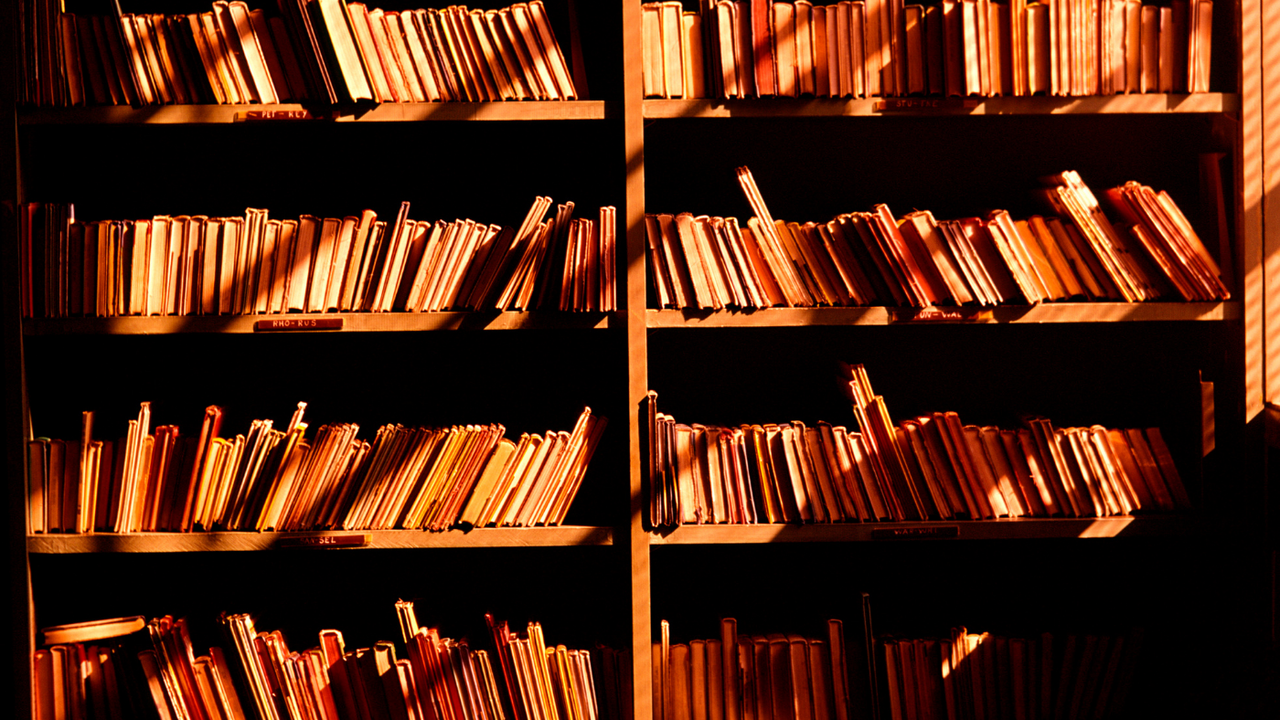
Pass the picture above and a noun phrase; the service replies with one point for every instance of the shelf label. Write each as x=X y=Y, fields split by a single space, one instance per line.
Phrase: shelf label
x=933 y=314
x=924 y=103
x=320 y=323
x=279 y=115
x=916 y=533
x=324 y=541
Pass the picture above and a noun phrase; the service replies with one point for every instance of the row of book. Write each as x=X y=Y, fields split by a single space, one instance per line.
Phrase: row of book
x=778 y=676
x=873 y=258
x=255 y=264
x=971 y=676
x=932 y=467
x=154 y=672
x=323 y=51
x=865 y=48
x=277 y=479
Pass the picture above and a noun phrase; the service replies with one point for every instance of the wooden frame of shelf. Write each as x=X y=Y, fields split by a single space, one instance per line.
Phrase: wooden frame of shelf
x=158 y=542
x=931 y=105
x=549 y=320
x=1006 y=529
x=1005 y=314
x=386 y=112
x=351 y=322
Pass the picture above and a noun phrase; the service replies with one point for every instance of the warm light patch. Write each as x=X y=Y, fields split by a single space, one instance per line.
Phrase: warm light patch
x=1106 y=527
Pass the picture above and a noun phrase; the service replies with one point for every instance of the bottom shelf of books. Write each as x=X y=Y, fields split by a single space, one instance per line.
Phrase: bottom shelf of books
x=476 y=634
x=989 y=629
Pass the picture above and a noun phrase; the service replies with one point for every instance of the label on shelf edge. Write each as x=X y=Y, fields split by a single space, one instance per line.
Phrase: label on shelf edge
x=914 y=533
x=279 y=115
x=924 y=103
x=934 y=314
x=346 y=540
x=301 y=323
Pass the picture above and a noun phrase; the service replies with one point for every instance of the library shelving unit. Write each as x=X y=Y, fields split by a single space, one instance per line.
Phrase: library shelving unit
x=1195 y=582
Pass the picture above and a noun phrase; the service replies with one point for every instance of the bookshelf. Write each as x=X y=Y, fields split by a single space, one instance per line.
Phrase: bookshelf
x=607 y=576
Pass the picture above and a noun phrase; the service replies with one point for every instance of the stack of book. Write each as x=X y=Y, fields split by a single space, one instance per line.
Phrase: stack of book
x=273 y=479
x=932 y=467
x=873 y=258
x=767 y=677
x=864 y=48
x=151 y=670
x=317 y=51
x=200 y=265
x=979 y=675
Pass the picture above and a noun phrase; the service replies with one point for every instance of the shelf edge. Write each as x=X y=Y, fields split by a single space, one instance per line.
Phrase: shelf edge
x=565 y=536
x=351 y=322
x=1003 y=529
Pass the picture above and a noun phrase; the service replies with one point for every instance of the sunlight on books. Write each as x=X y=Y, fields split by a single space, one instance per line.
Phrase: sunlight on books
x=1106 y=527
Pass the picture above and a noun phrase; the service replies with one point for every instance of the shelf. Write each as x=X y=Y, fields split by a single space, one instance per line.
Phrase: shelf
x=350 y=322
x=1033 y=314
x=1011 y=529
x=286 y=113
x=567 y=536
x=815 y=107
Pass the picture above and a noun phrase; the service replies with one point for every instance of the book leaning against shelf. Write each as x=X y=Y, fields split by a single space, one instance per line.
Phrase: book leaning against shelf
x=255 y=264
x=271 y=479
x=314 y=52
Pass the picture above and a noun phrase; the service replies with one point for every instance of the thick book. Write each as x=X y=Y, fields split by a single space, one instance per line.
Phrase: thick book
x=92 y=630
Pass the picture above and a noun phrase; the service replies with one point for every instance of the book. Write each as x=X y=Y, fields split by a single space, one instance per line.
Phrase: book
x=89 y=631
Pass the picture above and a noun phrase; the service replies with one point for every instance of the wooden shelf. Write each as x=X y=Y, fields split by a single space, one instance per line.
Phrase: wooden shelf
x=567 y=536
x=1009 y=529
x=815 y=107
x=286 y=113
x=1033 y=314
x=351 y=322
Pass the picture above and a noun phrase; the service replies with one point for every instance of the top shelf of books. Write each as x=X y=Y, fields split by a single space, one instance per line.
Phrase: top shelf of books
x=1158 y=103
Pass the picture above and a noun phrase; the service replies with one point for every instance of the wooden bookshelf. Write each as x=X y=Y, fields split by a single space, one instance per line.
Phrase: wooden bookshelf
x=900 y=146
